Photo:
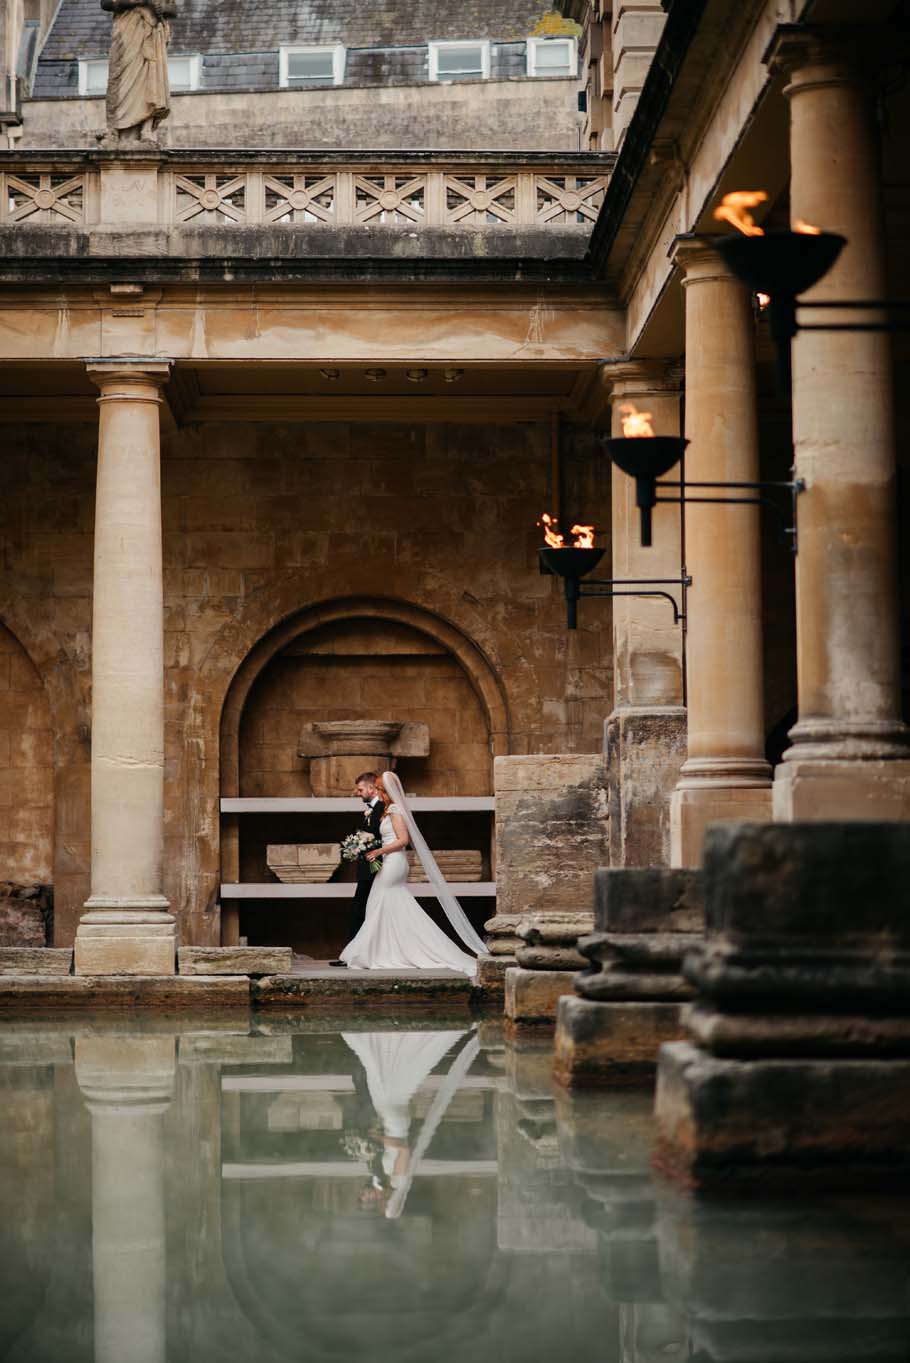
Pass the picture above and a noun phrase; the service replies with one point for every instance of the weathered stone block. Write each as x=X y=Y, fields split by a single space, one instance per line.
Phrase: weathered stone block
x=532 y=996
x=87 y=992
x=35 y=961
x=806 y=1122
x=646 y=747
x=235 y=960
x=611 y=1043
x=490 y=982
x=551 y=831
x=21 y=923
x=813 y=882
x=648 y=899
x=303 y=863
x=125 y=953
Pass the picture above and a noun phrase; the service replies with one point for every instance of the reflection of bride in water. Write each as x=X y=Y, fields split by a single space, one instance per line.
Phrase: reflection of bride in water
x=395 y=1065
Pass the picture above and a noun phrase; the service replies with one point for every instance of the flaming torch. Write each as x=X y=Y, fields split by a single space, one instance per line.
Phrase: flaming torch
x=781 y=265
x=571 y=563
x=644 y=456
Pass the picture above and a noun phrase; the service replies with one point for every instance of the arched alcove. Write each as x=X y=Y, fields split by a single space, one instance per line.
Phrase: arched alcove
x=26 y=769
x=359 y=658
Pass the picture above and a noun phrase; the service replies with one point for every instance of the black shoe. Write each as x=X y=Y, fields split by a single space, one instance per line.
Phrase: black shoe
x=343 y=964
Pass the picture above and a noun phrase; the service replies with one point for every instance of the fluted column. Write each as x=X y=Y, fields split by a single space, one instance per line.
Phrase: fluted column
x=126 y=928
x=725 y=775
x=128 y=1084
x=850 y=753
x=646 y=732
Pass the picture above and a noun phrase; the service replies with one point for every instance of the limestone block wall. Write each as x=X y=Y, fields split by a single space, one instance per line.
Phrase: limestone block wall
x=264 y=522
x=526 y=115
x=26 y=769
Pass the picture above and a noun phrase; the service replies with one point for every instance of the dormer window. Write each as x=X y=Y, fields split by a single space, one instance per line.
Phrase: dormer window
x=552 y=57
x=459 y=61
x=184 y=73
x=311 y=66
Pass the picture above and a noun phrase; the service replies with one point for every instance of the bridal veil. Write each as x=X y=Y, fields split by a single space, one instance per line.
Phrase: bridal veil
x=453 y=910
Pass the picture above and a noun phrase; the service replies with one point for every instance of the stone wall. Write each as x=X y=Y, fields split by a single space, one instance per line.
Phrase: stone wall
x=26 y=769
x=524 y=115
x=262 y=523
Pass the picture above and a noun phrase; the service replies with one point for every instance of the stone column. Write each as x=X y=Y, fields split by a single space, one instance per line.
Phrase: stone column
x=126 y=928
x=849 y=758
x=725 y=775
x=128 y=1084
x=646 y=732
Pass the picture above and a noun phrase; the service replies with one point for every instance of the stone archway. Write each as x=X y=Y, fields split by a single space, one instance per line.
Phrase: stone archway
x=469 y=674
x=473 y=661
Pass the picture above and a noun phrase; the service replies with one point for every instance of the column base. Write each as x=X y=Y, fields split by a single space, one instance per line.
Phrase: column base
x=611 y=1043
x=812 y=791
x=126 y=937
x=532 y=996
x=693 y=808
x=809 y=1123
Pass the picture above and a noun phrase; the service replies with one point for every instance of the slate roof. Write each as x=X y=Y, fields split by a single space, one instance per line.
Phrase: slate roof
x=239 y=39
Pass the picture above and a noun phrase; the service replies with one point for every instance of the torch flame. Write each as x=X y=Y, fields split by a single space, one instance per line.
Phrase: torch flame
x=734 y=209
x=584 y=534
x=551 y=535
x=762 y=299
x=807 y=228
x=634 y=422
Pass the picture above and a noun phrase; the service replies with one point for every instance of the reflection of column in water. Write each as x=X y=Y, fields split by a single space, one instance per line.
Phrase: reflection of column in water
x=778 y=1282
x=606 y=1142
x=128 y=1084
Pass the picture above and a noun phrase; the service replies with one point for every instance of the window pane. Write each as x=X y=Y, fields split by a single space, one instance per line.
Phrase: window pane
x=180 y=73
x=96 y=78
x=311 y=66
x=553 y=59
x=464 y=60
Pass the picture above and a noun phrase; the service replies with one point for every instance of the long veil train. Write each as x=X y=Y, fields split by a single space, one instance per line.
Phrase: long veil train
x=453 y=910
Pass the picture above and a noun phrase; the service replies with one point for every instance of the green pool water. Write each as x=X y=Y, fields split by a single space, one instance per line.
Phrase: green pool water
x=356 y=1190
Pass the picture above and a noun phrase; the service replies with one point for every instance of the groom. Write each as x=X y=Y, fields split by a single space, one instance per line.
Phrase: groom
x=365 y=787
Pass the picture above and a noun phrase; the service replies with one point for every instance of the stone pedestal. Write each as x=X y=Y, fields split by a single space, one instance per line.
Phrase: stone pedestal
x=646 y=747
x=551 y=835
x=628 y=1001
x=128 y=1084
x=799 y=1058
x=126 y=928
x=339 y=750
x=850 y=757
x=547 y=960
x=725 y=775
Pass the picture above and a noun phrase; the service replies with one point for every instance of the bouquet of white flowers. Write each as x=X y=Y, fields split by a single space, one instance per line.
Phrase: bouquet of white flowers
x=357 y=844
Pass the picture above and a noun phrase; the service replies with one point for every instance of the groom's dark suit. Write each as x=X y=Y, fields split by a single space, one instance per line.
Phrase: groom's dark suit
x=372 y=818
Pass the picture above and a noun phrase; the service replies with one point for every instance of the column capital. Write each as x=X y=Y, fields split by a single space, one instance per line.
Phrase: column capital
x=695 y=255
x=845 y=53
x=627 y=377
x=109 y=373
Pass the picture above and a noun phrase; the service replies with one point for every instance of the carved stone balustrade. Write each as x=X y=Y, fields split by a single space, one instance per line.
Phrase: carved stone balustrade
x=295 y=192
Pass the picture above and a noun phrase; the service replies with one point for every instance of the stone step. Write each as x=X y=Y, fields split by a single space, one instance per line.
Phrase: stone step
x=337 y=988
x=36 y=960
x=235 y=960
x=37 y=993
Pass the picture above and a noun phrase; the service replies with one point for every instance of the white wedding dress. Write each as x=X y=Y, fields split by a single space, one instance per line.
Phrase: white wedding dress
x=397 y=934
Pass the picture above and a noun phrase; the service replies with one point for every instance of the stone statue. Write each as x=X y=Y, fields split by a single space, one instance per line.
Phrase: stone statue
x=138 y=92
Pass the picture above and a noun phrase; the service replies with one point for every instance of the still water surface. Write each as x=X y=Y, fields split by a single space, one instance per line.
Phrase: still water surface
x=200 y=1191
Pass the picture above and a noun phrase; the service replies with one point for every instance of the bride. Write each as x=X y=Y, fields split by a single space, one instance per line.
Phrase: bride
x=397 y=934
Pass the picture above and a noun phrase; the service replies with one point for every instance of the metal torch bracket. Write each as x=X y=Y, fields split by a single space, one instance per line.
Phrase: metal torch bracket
x=794 y=487
x=576 y=588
